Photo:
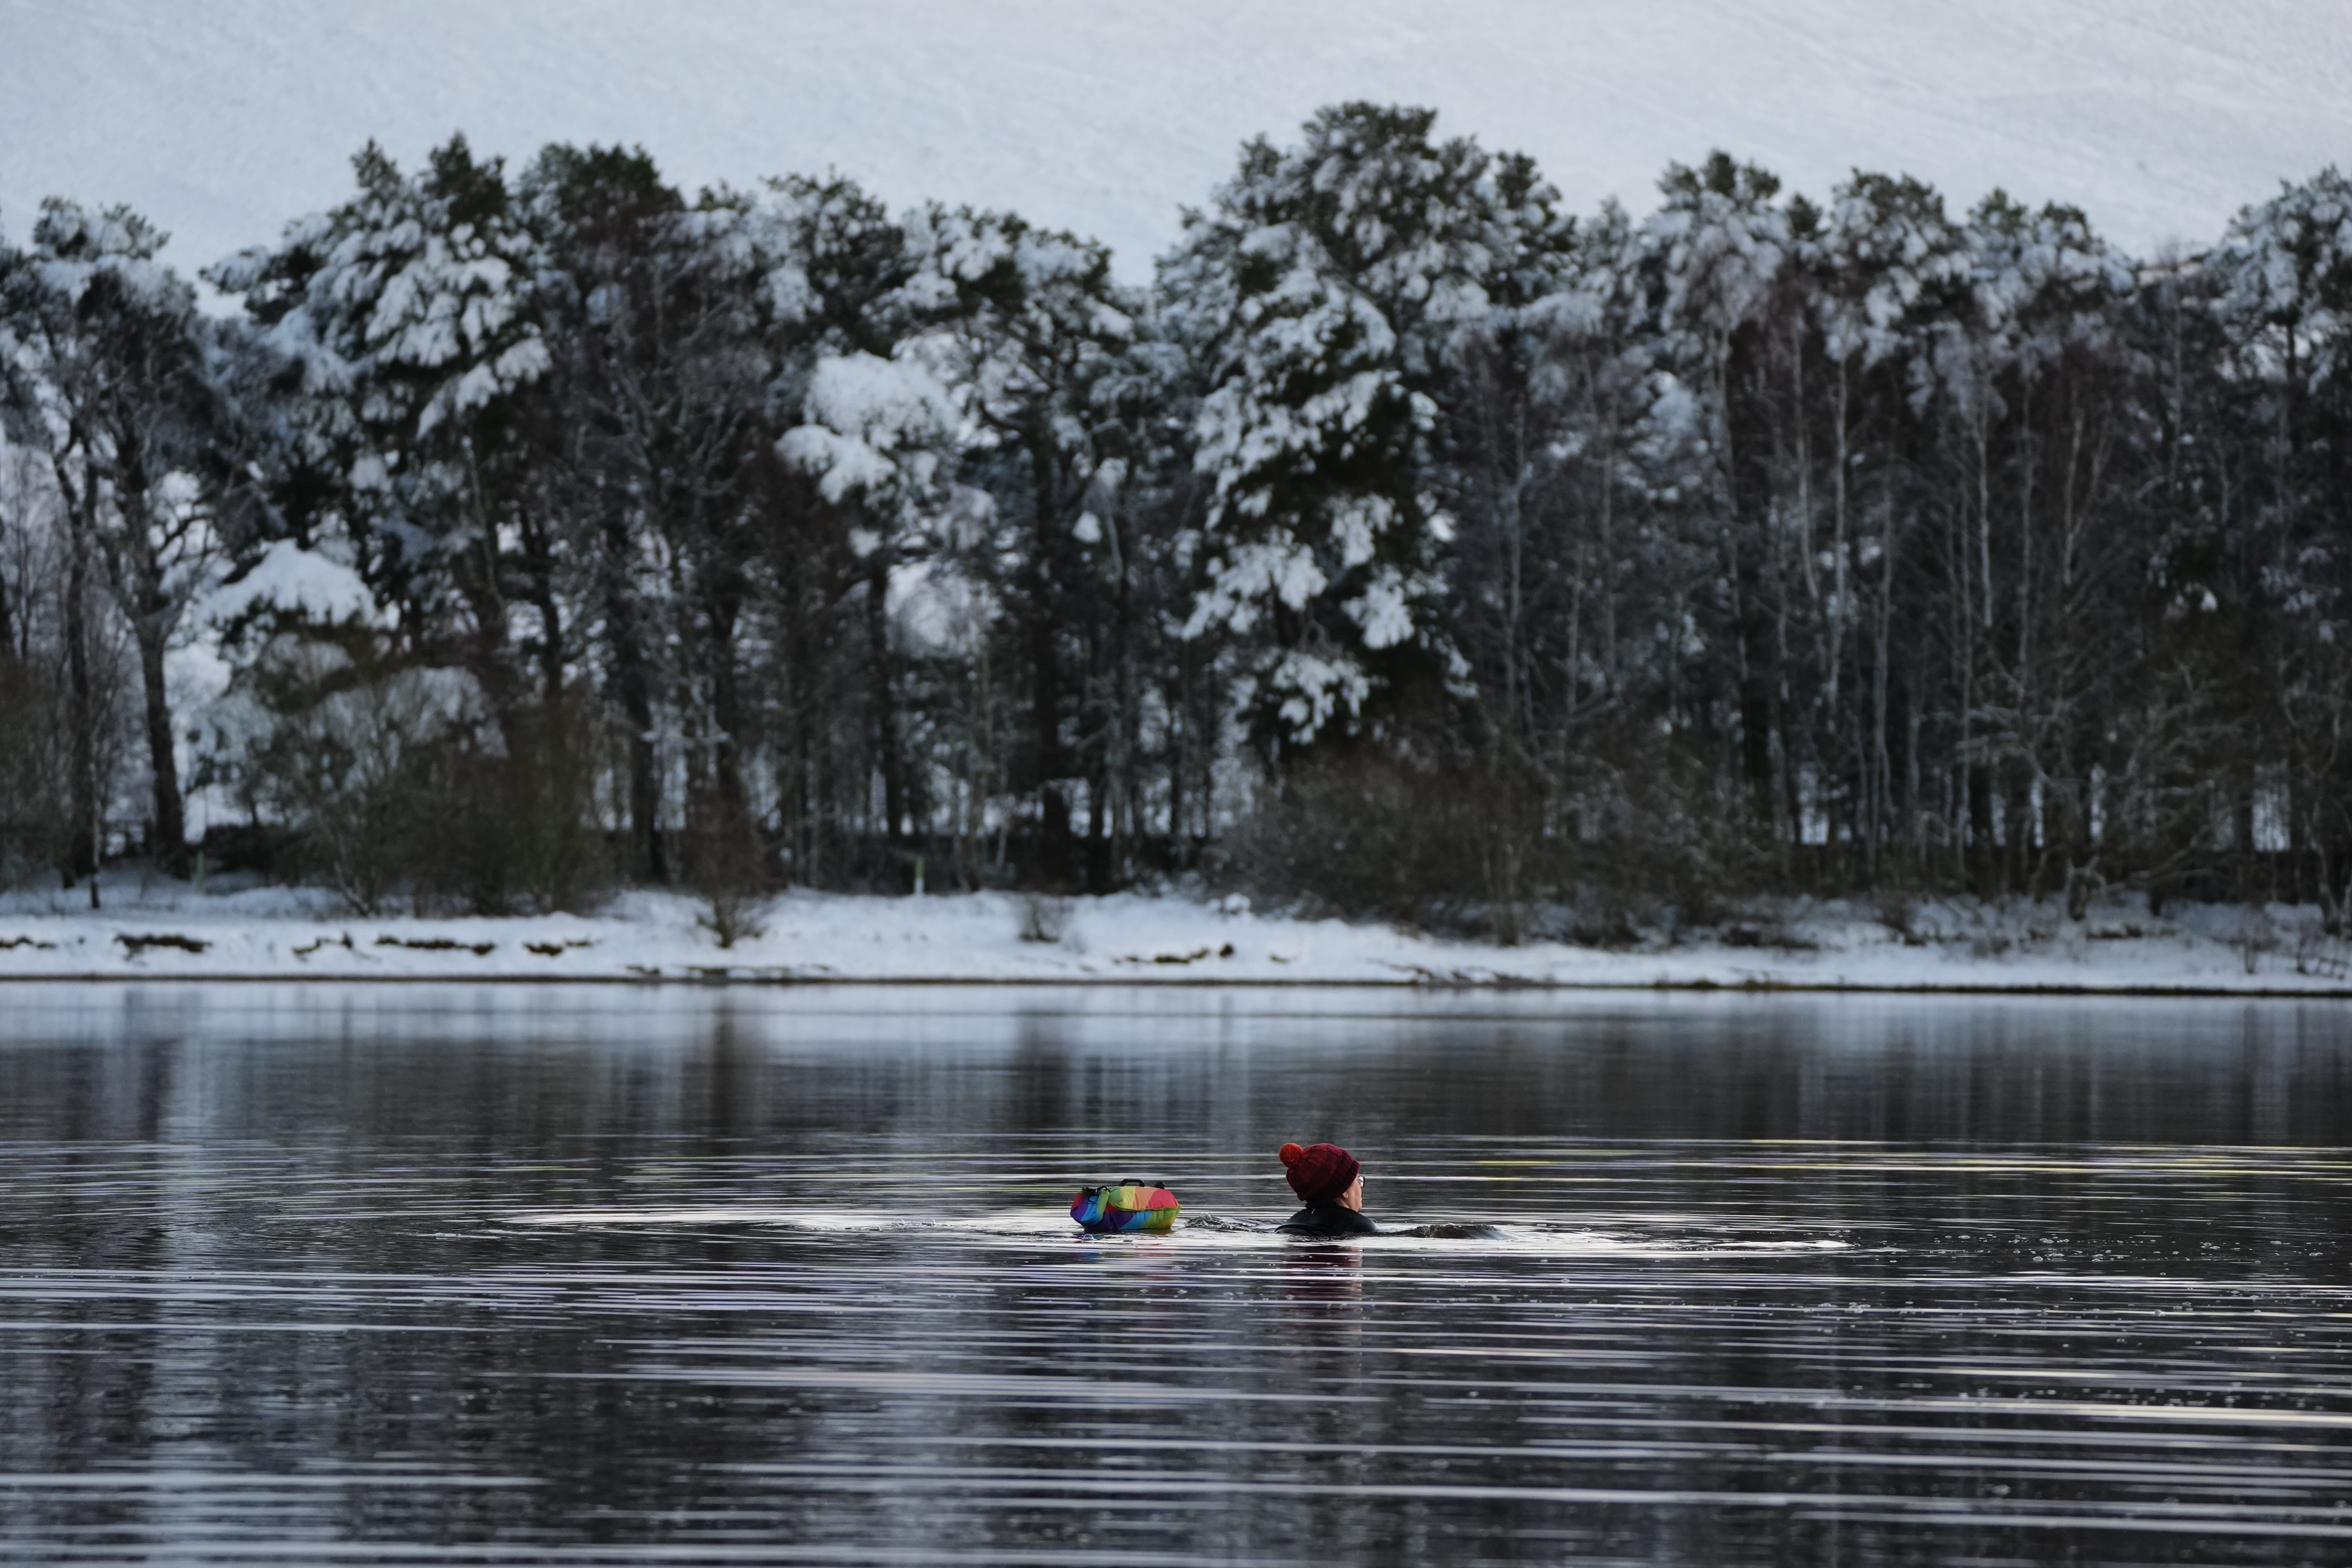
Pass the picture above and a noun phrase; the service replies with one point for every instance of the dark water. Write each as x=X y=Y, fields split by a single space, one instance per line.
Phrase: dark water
x=423 y=1275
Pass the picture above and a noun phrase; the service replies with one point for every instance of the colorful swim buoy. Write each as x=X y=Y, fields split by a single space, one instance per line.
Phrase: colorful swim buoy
x=1124 y=1208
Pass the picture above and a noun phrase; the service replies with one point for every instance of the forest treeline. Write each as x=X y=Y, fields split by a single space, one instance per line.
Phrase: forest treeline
x=1409 y=546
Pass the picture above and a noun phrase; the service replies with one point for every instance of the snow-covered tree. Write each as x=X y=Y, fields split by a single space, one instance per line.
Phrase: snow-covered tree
x=1713 y=265
x=1527 y=557
x=1037 y=336
x=677 y=343
x=1318 y=293
x=2285 y=272
x=408 y=318
x=111 y=373
x=2281 y=295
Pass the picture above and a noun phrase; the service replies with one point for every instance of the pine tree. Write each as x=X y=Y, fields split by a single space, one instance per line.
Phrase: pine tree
x=408 y=317
x=1318 y=294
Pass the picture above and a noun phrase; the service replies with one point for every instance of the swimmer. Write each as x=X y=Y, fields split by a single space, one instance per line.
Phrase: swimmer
x=1330 y=1182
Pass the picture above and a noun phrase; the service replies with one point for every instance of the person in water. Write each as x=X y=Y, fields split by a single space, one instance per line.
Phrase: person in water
x=1330 y=1182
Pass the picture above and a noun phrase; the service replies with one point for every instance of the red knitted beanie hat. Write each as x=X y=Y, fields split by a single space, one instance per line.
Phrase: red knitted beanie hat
x=1320 y=1172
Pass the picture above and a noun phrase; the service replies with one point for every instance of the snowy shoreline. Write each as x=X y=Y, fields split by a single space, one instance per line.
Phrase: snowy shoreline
x=160 y=930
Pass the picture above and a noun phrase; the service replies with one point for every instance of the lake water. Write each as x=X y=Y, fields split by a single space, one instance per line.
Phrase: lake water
x=414 y=1274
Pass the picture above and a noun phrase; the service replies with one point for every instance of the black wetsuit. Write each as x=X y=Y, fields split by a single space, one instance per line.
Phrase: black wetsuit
x=1327 y=1219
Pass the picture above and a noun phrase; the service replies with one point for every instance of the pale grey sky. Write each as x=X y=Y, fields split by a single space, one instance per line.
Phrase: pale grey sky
x=223 y=119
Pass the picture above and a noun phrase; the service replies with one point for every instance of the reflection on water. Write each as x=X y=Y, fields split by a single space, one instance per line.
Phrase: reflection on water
x=530 y=1275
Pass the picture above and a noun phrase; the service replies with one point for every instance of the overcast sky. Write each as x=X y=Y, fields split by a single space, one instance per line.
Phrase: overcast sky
x=223 y=119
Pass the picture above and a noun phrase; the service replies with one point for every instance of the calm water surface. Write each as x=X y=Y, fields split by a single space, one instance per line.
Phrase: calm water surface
x=532 y=1275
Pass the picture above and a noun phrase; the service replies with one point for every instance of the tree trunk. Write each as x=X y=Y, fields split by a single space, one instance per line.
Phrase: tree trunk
x=886 y=697
x=82 y=845
x=1882 y=773
x=1045 y=719
x=629 y=676
x=539 y=554
x=726 y=709
x=1748 y=476
x=171 y=843
x=1982 y=857
x=1098 y=831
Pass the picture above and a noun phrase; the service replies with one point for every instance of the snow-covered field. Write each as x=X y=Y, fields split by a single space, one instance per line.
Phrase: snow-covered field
x=164 y=929
x=223 y=119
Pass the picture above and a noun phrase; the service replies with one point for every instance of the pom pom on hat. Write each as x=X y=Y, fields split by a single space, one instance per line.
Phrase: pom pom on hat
x=1318 y=1173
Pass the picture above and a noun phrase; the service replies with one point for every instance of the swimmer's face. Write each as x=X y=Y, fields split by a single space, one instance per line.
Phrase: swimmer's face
x=1353 y=1198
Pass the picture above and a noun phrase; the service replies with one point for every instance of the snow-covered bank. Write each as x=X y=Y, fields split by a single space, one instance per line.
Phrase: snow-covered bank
x=164 y=929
